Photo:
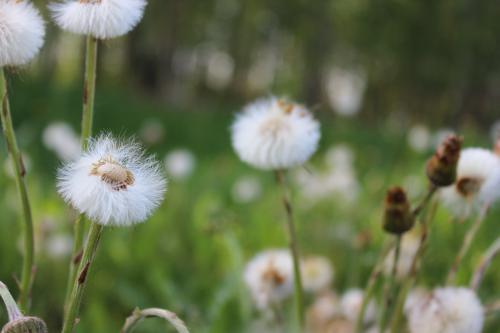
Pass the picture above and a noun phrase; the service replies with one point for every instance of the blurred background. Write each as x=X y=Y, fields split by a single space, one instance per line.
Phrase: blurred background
x=387 y=79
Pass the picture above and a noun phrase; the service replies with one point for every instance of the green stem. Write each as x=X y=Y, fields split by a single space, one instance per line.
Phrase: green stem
x=19 y=174
x=88 y=257
x=370 y=288
x=392 y=287
x=491 y=253
x=89 y=87
x=139 y=315
x=294 y=248
x=12 y=309
x=76 y=257
x=469 y=237
x=412 y=275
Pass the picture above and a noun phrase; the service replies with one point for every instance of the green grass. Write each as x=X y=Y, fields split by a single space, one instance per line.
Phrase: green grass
x=188 y=258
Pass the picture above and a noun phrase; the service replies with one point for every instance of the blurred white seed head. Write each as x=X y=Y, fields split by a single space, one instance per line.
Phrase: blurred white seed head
x=62 y=139
x=180 y=163
x=246 y=189
x=102 y=19
x=269 y=277
x=445 y=310
x=477 y=182
x=275 y=134
x=324 y=308
x=113 y=182
x=419 y=138
x=409 y=246
x=350 y=305
x=59 y=246
x=22 y=31
x=317 y=274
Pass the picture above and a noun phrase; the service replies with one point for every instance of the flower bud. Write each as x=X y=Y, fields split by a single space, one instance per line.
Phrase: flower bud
x=398 y=217
x=17 y=322
x=442 y=167
x=25 y=325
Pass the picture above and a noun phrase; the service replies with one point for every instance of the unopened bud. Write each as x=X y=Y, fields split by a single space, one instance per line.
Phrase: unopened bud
x=25 y=325
x=398 y=217
x=442 y=167
x=17 y=322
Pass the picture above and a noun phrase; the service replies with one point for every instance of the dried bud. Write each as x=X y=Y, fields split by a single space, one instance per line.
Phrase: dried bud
x=398 y=217
x=17 y=322
x=26 y=325
x=442 y=167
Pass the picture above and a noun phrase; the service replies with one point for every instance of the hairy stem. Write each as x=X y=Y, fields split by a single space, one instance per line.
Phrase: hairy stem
x=294 y=248
x=485 y=262
x=89 y=87
x=88 y=257
x=19 y=174
x=12 y=309
x=391 y=287
x=370 y=288
x=469 y=237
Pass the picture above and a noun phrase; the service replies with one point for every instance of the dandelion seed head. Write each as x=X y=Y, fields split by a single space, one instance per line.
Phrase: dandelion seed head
x=350 y=305
x=113 y=182
x=273 y=134
x=446 y=310
x=180 y=163
x=317 y=274
x=22 y=31
x=269 y=277
x=477 y=182
x=102 y=19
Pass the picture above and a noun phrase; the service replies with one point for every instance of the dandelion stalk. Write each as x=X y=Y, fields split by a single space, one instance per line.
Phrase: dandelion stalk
x=412 y=275
x=370 y=288
x=469 y=237
x=294 y=248
x=391 y=286
x=87 y=120
x=483 y=265
x=139 y=315
x=19 y=174
x=88 y=257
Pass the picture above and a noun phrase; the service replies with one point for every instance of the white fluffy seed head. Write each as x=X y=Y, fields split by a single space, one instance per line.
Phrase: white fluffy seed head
x=477 y=182
x=22 y=31
x=113 y=182
x=350 y=305
x=269 y=277
x=317 y=274
x=102 y=19
x=446 y=310
x=273 y=134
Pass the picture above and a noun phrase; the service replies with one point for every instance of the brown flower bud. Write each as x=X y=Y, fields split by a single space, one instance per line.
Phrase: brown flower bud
x=398 y=217
x=442 y=167
x=26 y=325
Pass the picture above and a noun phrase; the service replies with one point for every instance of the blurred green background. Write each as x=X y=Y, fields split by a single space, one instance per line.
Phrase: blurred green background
x=386 y=78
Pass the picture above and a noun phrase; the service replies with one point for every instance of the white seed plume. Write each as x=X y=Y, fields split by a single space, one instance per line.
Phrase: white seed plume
x=22 y=31
x=180 y=164
x=446 y=310
x=317 y=274
x=273 y=134
x=102 y=19
x=113 y=182
x=62 y=139
x=269 y=277
x=350 y=305
x=478 y=182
